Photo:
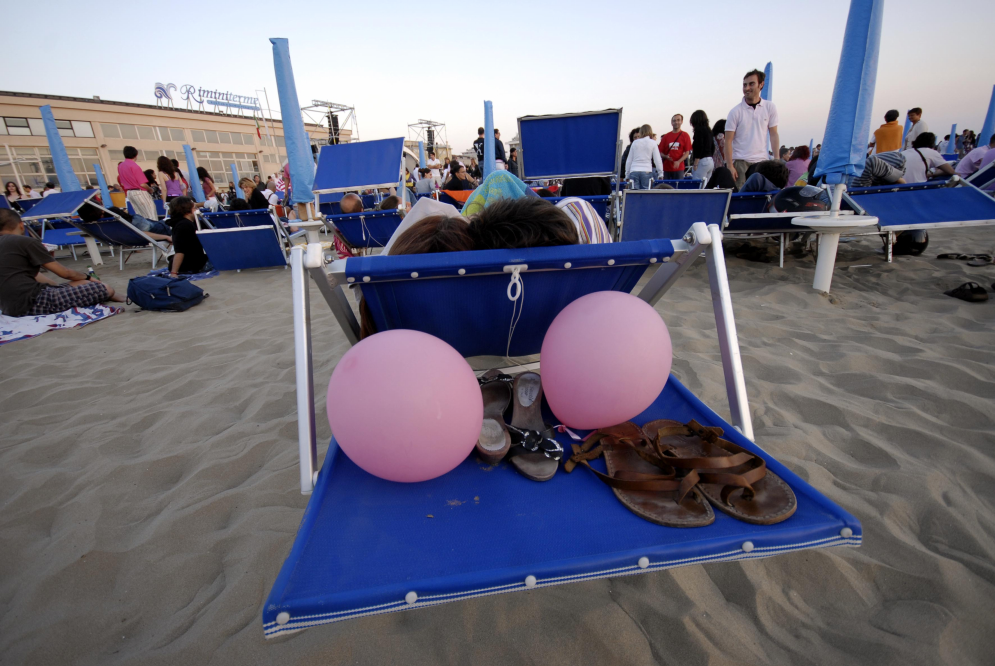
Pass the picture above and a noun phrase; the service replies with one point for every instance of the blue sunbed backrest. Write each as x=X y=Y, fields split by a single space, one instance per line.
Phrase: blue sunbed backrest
x=368 y=229
x=240 y=218
x=27 y=204
x=983 y=177
x=472 y=311
x=599 y=203
x=670 y=213
x=3 y=202
x=60 y=204
x=328 y=204
x=359 y=165
x=750 y=203
x=113 y=231
x=682 y=183
x=924 y=208
x=253 y=248
x=569 y=145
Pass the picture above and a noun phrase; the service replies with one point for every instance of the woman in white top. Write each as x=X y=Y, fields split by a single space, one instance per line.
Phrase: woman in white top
x=922 y=162
x=644 y=157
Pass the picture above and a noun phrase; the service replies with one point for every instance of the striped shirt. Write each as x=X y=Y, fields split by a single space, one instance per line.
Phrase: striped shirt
x=590 y=227
x=881 y=169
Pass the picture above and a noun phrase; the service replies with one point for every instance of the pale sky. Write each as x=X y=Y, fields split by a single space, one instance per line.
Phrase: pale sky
x=397 y=62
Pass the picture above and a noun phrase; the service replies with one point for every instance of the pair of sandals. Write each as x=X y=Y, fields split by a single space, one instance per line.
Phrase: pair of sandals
x=672 y=474
x=971 y=259
x=972 y=292
x=527 y=443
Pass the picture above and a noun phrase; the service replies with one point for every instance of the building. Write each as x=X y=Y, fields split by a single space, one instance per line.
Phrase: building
x=95 y=131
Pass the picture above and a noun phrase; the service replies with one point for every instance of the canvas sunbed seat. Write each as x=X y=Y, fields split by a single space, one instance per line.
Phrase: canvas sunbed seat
x=367 y=546
x=983 y=178
x=363 y=165
x=240 y=240
x=113 y=230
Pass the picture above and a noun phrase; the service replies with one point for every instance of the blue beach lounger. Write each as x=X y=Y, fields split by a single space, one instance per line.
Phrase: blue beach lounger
x=650 y=214
x=363 y=165
x=244 y=239
x=982 y=178
x=113 y=230
x=366 y=546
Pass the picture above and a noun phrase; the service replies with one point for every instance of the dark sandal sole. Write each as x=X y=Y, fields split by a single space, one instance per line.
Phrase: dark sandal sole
x=773 y=501
x=527 y=415
x=494 y=440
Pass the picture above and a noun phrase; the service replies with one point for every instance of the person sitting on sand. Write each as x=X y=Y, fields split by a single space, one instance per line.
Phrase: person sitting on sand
x=25 y=292
x=190 y=256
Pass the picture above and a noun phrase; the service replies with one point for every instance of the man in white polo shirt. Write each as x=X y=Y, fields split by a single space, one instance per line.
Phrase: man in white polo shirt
x=747 y=127
x=435 y=167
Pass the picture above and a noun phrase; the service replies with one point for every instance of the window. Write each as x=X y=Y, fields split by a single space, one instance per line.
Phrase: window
x=82 y=128
x=88 y=152
x=37 y=126
x=280 y=142
x=146 y=133
x=110 y=131
x=176 y=134
x=212 y=137
x=17 y=126
x=247 y=139
x=198 y=136
x=36 y=168
x=128 y=131
x=236 y=138
x=228 y=156
x=3 y=127
x=65 y=127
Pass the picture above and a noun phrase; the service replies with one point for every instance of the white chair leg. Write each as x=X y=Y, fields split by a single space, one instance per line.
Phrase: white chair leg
x=121 y=259
x=307 y=444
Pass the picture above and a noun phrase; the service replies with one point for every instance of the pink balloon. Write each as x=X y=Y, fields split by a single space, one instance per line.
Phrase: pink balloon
x=405 y=406
x=605 y=359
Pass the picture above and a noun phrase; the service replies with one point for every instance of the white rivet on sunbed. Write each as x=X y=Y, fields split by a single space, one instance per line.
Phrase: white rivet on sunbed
x=747 y=546
x=652 y=260
x=567 y=265
x=350 y=279
x=644 y=562
x=411 y=597
x=846 y=533
x=611 y=262
x=366 y=278
x=415 y=274
x=283 y=618
x=462 y=271
x=530 y=582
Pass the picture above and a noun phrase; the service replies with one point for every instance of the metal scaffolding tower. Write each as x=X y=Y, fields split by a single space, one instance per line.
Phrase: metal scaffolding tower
x=433 y=134
x=327 y=115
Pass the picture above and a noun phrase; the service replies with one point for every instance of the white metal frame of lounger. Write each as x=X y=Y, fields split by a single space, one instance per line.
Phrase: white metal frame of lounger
x=989 y=170
x=782 y=236
x=130 y=249
x=310 y=260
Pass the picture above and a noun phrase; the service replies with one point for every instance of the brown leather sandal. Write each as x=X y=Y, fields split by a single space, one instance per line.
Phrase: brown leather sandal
x=495 y=440
x=736 y=481
x=641 y=480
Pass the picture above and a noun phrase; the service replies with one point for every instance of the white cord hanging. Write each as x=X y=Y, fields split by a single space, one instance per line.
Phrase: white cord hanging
x=516 y=294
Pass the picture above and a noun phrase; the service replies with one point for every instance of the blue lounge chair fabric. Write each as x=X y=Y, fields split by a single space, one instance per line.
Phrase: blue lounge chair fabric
x=59 y=205
x=28 y=204
x=114 y=232
x=397 y=301
x=358 y=166
x=160 y=208
x=670 y=213
x=365 y=544
x=898 y=209
x=239 y=218
x=3 y=202
x=983 y=178
x=600 y=203
x=328 y=204
x=682 y=183
x=368 y=229
x=569 y=145
x=61 y=233
x=242 y=248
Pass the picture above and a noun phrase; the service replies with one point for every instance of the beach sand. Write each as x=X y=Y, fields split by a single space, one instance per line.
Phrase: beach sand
x=149 y=485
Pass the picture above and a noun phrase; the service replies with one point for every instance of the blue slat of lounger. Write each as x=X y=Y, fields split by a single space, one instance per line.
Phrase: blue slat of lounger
x=242 y=247
x=61 y=204
x=564 y=146
x=983 y=177
x=369 y=229
x=472 y=312
x=670 y=213
x=3 y=202
x=239 y=218
x=112 y=231
x=59 y=233
x=27 y=204
x=365 y=543
x=598 y=202
x=928 y=208
x=360 y=165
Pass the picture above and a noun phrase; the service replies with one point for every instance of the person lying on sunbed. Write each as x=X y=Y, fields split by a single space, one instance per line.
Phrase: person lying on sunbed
x=155 y=230
x=24 y=291
x=767 y=176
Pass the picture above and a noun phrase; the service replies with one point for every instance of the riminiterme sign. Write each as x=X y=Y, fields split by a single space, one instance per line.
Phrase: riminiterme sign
x=205 y=99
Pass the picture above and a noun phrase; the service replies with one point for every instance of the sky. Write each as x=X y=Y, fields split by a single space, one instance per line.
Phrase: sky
x=398 y=62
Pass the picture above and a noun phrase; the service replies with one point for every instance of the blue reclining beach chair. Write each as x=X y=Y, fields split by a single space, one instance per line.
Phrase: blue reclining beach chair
x=113 y=230
x=368 y=546
x=363 y=165
x=237 y=240
x=669 y=213
x=28 y=204
x=982 y=178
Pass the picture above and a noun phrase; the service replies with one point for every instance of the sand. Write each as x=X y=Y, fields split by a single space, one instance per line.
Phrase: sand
x=149 y=486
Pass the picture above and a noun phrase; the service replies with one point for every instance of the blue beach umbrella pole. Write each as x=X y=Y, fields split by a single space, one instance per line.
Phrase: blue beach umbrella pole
x=952 y=143
x=234 y=174
x=105 y=193
x=63 y=169
x=421 y=154
x=767 y=94
x=844 y=146
x=194 y=179
x=488 y=164
x=299 y=156
x=905 y=132
x=988 y=127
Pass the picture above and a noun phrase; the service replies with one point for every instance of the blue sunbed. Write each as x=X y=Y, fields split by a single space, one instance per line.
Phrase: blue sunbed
x=982 y=178
x=669 y=213
x=244 y=245
x=367 y=229
x=3 y=202
x=27 y=204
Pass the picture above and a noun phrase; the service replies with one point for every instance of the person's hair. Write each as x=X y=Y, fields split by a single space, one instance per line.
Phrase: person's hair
x=353 y=202
x=130 y=152
x=719 y=127
x=435 y=233
x=51 y=186
x=245 y=181
x=801 y=153
x=663 y=186
x=924 y=140
x=783 y=150
x=991 y=141
x=239 y=203
x=150 y=175
x=633 y=134
x=545 y=192
x=678 y=114
x=17 y=188
x=891 y=116
x=755 y=72
x=8 y=219
x=645 y=130
x=497 y=131
x=699 y=119
x=480 y=130
x=916 y=110
x=27 y=187
x=519 y=223
x=432 y=153
x=202 y=173
x=513 y=150
x=181 y=206
x=390 y=203
x=424 y=172
x=722 y=179
x=775 y=171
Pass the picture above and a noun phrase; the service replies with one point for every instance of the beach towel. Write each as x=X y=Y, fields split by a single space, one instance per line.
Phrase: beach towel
x=13 y=329
x=590 y=227
x=499 y=185
x=193 y=277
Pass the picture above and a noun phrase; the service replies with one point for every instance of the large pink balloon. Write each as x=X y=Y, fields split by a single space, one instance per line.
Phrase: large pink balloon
x=605 y=359
x=405 y=406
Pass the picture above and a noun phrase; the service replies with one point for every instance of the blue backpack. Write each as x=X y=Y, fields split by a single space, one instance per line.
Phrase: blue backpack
x=164 y=293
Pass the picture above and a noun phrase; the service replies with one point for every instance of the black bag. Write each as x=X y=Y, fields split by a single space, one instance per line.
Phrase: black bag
x=164 y=293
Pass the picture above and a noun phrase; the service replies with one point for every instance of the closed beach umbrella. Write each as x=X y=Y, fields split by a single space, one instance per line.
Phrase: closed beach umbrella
x=988 y=128
x=421 y=154
x=298 y=146
x=768 y=90
x=63 y=169
x=908 y=126
x=488 y=164
x=194 y=179
x=952 y=144
x=234 y=175
x=105 y=193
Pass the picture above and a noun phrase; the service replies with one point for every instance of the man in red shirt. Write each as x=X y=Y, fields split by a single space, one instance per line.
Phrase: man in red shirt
x=675 y=147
